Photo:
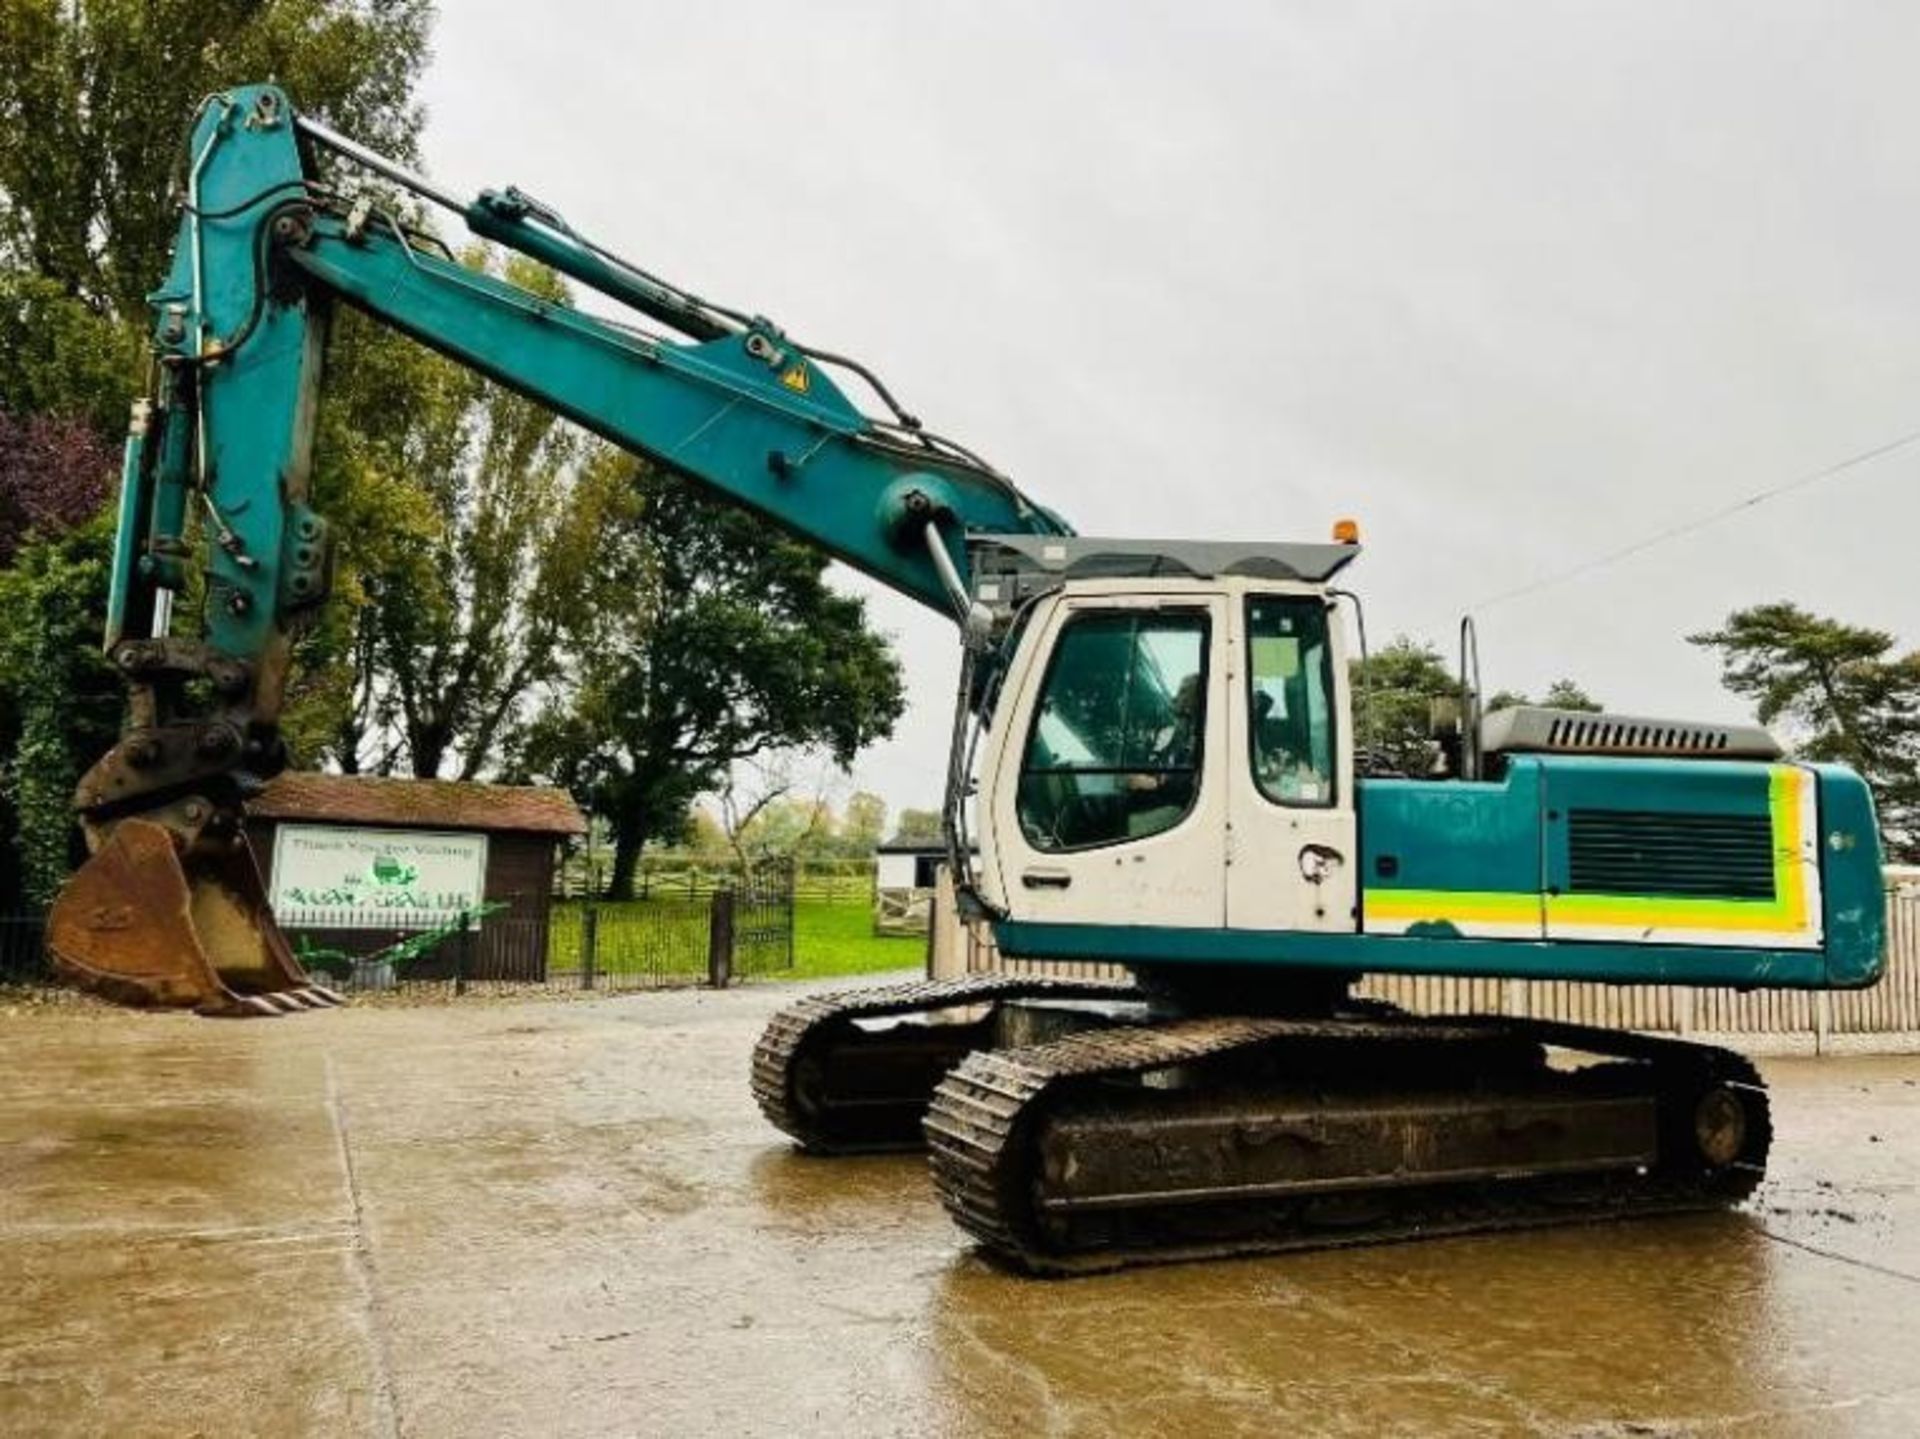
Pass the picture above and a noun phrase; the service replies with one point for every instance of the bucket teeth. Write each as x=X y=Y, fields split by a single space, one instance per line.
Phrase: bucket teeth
x=242 y=1006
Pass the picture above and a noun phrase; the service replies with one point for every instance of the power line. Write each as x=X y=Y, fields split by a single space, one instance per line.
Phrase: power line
x=1700 y=522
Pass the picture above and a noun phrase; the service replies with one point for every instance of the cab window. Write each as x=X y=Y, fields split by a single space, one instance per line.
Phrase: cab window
x=1114 y=751
x=1290 y=700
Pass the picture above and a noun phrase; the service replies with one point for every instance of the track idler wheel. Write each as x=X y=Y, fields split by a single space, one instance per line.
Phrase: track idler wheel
x=1720 y=1126
x=1716 y=1124
x=152 y=919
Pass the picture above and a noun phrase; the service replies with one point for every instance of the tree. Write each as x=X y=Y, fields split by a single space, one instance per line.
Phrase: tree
x=1842 y=692
x=61 y=357
x=472 y=608
x=55 y=473
x=1393 y=694
x=59 y=703
x=862 y=824
x=94 y=97
x=758 y=814
x=766 y=810
x=1565 y=694
x=918 y=826
x=388 y=409
x=1393 y=691
x=745 y=652
x=787 y=826
x=1562 y=694
x=705 y=835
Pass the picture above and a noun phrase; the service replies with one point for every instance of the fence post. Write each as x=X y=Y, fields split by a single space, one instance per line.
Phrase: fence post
x=589 y=942
x=1822 y=1022
x=463 y=953
x=935 y=918
x=720 y=938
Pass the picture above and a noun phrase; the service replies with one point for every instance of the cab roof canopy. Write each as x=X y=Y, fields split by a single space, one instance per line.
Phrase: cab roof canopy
x=1027 y=559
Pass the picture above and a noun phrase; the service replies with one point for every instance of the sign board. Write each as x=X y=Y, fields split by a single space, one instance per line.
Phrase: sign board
x=334 y=877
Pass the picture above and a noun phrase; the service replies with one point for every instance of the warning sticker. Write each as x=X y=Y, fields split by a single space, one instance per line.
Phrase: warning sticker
x=797 y=379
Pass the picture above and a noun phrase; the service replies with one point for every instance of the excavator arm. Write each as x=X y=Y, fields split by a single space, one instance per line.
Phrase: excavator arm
x=170 y=908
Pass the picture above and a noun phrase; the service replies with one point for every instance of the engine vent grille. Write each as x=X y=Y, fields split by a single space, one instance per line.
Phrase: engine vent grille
x=1604 y=734
x=1618 y=851
x=1536 y=729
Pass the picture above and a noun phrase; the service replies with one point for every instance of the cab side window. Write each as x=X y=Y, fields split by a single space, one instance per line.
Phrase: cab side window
x=1290 y=700
x=1115 y=749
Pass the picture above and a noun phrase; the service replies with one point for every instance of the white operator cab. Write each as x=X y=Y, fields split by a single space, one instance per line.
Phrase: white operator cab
x=1171 y=744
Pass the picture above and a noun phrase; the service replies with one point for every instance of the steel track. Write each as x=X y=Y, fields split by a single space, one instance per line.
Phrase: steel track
x=804 y=1044
x=985 y=1118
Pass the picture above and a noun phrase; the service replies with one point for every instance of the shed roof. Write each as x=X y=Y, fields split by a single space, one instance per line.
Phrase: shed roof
x=419 y=804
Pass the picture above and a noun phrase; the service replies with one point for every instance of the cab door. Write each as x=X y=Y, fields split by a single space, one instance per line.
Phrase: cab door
x=1107 y=802
x=1292 y=850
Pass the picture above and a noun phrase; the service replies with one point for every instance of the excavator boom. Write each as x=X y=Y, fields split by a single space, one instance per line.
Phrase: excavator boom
x=170 y=909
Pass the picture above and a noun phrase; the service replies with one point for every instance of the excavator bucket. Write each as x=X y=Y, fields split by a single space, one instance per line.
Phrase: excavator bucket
x=143 y=924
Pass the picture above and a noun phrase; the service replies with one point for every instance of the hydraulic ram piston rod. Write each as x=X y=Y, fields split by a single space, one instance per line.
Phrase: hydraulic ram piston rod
x=378 y=163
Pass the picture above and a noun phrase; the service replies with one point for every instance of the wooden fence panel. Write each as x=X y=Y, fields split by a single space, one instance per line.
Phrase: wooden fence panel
x=1891 y=1007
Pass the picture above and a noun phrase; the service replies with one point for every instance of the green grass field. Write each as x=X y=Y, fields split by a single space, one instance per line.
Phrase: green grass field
x=668 y=937
x=837 y=938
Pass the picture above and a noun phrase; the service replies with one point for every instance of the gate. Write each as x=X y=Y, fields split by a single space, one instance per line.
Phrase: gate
x=763 y=918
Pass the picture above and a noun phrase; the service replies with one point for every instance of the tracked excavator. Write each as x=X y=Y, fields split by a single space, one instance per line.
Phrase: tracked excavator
x=1156 y=763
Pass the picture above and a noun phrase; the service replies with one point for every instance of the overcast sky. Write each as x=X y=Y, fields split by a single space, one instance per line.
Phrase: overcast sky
x=1514 y=284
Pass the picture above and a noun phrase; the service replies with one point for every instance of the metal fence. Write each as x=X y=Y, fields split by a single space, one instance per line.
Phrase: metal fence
x=1886 y=1016
x=24 y=966
x=567 y=945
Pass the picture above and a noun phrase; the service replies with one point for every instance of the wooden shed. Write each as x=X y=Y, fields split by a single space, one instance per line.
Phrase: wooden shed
x=356 y=860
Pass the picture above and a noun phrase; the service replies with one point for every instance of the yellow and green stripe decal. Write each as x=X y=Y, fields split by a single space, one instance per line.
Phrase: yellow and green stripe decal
x=1790 y=912
x=1455 y=906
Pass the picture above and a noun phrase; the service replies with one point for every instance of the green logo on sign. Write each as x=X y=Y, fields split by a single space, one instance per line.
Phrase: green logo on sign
x=389 y=871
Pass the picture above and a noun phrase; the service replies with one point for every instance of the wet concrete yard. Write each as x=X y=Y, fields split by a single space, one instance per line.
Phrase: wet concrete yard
x=567 y=1218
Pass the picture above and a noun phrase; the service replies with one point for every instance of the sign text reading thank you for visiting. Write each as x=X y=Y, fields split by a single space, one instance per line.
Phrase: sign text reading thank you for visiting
x=328 y=877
